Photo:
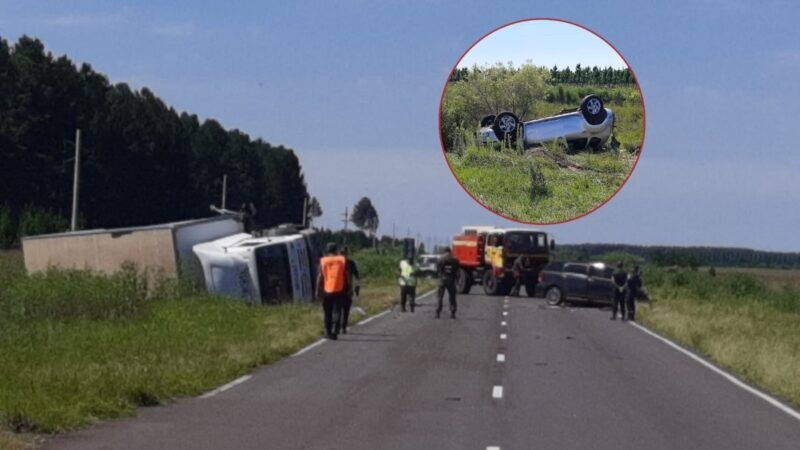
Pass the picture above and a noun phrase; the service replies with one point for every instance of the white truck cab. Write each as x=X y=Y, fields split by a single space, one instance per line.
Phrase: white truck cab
x=261 y=270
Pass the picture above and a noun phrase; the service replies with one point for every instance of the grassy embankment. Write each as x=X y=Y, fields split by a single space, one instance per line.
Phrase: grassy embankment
x=746 y=320
x=553 y=183
x=79 y=347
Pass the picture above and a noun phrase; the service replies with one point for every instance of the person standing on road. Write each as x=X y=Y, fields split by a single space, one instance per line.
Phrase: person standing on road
x=518 y=270
x=352 y=290
x=331 y=286
x=447 y=269
x=408 y=283
x=620 y=278
x=634 y=286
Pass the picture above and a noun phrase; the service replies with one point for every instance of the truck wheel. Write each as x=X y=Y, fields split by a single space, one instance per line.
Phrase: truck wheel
x=491 y=285
x=554 y=296
x=464 y=281
x=487 y=121
x=593 y=110
x=505 y=126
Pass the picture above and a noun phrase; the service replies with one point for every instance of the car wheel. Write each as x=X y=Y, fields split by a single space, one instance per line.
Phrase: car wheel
x=505 y=126
x=593 y=110
x=487 y=121
x=491 y=285
x=463 y=281
x=554 y=296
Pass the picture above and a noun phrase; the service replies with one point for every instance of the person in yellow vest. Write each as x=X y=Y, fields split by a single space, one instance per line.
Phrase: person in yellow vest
x=332 y=287
x=408 y=283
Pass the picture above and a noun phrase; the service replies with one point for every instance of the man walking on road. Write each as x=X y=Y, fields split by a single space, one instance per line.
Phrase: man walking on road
x=331 y=286
x=408 y=283
x=634 y=286
x=447 y=268
x=518 y=270
x=620 y=278
x=353 y=278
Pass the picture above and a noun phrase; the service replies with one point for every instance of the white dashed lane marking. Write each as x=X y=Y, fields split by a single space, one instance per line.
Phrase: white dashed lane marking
x=503 y=323
x=501 y=357
x=497 y=392
x=503 y=336
x=505 y=313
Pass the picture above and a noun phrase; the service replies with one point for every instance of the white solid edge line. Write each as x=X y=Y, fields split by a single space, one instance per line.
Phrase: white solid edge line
x=308 y=347
x=501 y=357
x=225 y=387
x=497 y=392
x=766 y=397
x=371 y=318
x=503 y=335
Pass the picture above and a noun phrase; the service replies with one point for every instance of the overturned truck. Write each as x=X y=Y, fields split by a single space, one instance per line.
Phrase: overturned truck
x=279 y=266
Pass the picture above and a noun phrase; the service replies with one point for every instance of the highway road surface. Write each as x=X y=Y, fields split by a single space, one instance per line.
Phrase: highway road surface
x=506 y=374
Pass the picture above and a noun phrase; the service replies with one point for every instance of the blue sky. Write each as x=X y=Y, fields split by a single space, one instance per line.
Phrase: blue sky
x=543 y=43
x=354 y=88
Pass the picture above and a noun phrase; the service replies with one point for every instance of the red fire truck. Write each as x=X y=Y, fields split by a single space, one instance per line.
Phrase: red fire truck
x=486 y=254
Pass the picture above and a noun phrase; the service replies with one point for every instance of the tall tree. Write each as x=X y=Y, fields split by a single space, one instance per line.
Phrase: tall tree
x=365 y=216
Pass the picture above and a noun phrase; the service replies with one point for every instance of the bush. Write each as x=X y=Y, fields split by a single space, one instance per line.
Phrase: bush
x=35 y=221
x=8 y=229
x=64 y=295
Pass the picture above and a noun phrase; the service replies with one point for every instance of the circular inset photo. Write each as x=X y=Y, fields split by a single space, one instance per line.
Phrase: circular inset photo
x=542 y=121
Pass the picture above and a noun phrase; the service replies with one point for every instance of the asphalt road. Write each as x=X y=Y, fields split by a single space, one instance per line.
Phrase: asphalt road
x=570 y=378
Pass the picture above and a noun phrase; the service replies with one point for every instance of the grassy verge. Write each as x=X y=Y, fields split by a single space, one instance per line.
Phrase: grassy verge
x=748 y=324
x=569 y=185
x=79 y=347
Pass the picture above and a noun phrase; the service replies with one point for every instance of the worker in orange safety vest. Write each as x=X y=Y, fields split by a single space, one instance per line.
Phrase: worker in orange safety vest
x=332 y=287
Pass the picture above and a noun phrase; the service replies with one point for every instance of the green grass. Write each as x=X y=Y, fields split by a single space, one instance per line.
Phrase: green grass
x=740 y=320
x=501 y=180
x=79 y=347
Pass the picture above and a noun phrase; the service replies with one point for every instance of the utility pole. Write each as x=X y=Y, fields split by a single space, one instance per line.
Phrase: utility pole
x=345 y=220
x=305 y=210
x=224 y=189
x=76 y=181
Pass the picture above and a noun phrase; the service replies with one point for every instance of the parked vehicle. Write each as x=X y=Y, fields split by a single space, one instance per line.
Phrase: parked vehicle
x=590 y=125
x=486 y=254
x=586 y=282
x=427 y=263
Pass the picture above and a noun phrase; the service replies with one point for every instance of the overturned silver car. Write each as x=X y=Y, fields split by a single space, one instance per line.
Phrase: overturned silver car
x=590 y=125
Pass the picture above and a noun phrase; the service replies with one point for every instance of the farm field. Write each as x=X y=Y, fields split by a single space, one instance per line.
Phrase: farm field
x=81 y=347
x=746 y=320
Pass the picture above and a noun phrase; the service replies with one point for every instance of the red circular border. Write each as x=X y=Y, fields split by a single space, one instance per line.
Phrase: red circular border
x=641 y=145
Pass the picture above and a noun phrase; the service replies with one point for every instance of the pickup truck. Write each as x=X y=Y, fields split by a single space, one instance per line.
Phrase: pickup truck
x=587 y=282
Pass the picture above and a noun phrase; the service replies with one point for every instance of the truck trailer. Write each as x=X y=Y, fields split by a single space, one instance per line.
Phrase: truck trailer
x=163 y=248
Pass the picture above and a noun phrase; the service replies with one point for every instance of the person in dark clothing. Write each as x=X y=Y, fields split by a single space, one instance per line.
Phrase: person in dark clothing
x=447 y=269
x=620 y=278
x=634 y=286
x=518 y=270
x=353 y=277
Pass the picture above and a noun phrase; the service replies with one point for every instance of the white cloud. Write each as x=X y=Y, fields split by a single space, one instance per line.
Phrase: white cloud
x=84 y=20
x=176 y=29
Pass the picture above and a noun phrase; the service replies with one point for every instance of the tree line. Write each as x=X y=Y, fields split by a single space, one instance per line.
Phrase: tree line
x=142 y=161
x=684 y=256
x=580 y=75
